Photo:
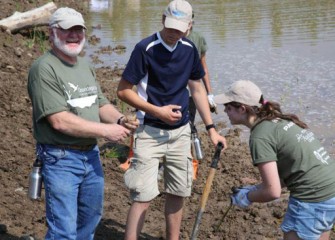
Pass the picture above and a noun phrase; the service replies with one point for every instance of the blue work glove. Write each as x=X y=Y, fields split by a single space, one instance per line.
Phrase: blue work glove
x=240 y=196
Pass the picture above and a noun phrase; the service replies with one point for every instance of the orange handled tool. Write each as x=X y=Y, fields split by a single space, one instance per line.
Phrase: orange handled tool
x=124 y=166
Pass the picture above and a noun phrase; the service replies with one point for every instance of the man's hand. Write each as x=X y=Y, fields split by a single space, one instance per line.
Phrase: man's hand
x=116 y=133
x=170 y=114
x=212 y=103
x=130 y=122
x=240 y=196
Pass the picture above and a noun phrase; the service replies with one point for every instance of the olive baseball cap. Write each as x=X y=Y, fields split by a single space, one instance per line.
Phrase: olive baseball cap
x=66 y=18
x=178 y=15
x=242 y=91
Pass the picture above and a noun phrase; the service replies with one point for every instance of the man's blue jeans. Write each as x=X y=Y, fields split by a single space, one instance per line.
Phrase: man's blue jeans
x=74 y=189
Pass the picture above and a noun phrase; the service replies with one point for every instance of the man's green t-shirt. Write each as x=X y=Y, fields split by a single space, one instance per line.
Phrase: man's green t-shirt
x=55 y=86
x=199 y=42
x=303 y=163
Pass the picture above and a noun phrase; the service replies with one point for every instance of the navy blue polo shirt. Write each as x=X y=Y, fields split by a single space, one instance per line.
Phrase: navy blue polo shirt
x=161 y=74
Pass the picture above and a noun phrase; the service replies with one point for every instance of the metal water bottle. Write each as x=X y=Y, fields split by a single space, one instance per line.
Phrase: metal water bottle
x=35 y=180
x=196 y=147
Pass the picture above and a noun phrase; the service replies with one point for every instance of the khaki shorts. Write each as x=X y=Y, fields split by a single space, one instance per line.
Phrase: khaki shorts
x=151 y=145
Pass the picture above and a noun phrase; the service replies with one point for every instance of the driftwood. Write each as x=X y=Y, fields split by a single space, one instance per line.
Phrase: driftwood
x=32 y=18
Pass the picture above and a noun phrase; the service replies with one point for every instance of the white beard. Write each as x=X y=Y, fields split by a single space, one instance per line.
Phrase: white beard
x=69 y=51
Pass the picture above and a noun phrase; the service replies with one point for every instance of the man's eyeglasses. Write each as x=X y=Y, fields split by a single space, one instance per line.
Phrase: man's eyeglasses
x=76 y=30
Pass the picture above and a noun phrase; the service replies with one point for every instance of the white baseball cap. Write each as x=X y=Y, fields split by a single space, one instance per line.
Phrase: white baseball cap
x=178 y=15
x=242 y=91
x=66 y=18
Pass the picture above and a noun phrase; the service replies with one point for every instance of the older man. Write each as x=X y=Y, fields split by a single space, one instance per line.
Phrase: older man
x=69 y=114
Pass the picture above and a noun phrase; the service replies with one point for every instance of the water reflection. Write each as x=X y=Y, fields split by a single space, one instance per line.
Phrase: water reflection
x=287 y=47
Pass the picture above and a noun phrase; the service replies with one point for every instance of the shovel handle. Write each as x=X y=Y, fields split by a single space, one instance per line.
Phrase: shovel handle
x=211 y=175
x=207 y=190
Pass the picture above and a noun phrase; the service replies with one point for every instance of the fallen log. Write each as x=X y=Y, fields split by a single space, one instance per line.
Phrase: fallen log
x=32 y=18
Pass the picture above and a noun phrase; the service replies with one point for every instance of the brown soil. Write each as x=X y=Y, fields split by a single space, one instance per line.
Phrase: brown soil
x=21 y=217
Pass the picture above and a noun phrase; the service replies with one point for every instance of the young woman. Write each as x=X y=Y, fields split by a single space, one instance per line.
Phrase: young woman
x=286 y=154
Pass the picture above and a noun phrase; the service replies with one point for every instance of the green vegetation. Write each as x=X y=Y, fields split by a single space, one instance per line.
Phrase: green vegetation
x=37 y=37
x=123 y=107
x=117 y=151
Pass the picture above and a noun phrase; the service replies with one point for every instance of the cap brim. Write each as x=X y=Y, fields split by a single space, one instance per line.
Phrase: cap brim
x=222 y=99
x=70 y=24
x=176 y=24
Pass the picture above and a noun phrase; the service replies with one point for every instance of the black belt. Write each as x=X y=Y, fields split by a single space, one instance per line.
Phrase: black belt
x=76 y=147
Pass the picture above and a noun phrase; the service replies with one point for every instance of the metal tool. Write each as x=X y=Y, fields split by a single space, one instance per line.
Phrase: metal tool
x=223 y=217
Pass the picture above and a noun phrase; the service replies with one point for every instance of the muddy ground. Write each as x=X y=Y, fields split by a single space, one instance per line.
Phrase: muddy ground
x=21 y=217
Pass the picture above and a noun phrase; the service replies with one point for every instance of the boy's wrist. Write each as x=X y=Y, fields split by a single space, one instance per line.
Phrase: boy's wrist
x=210 y=126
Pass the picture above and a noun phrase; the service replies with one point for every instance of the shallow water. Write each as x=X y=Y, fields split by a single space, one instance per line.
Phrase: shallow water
x=286 y=47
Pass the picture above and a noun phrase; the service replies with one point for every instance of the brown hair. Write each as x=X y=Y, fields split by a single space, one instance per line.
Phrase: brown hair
x=271 y=110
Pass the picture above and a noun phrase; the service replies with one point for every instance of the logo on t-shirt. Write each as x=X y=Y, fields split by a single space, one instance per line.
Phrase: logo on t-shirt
x=80 y=97
x=322 y=155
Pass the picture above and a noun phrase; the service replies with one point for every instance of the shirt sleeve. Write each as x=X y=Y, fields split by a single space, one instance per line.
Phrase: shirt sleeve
x=46 y=93
x=198 y=71
x=262 y=151
x=204 y=46
x=136 y=67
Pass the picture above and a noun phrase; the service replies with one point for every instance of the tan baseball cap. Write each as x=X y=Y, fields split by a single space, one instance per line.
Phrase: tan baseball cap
x=178 y=15
x=66 y=18
x=242 y=91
